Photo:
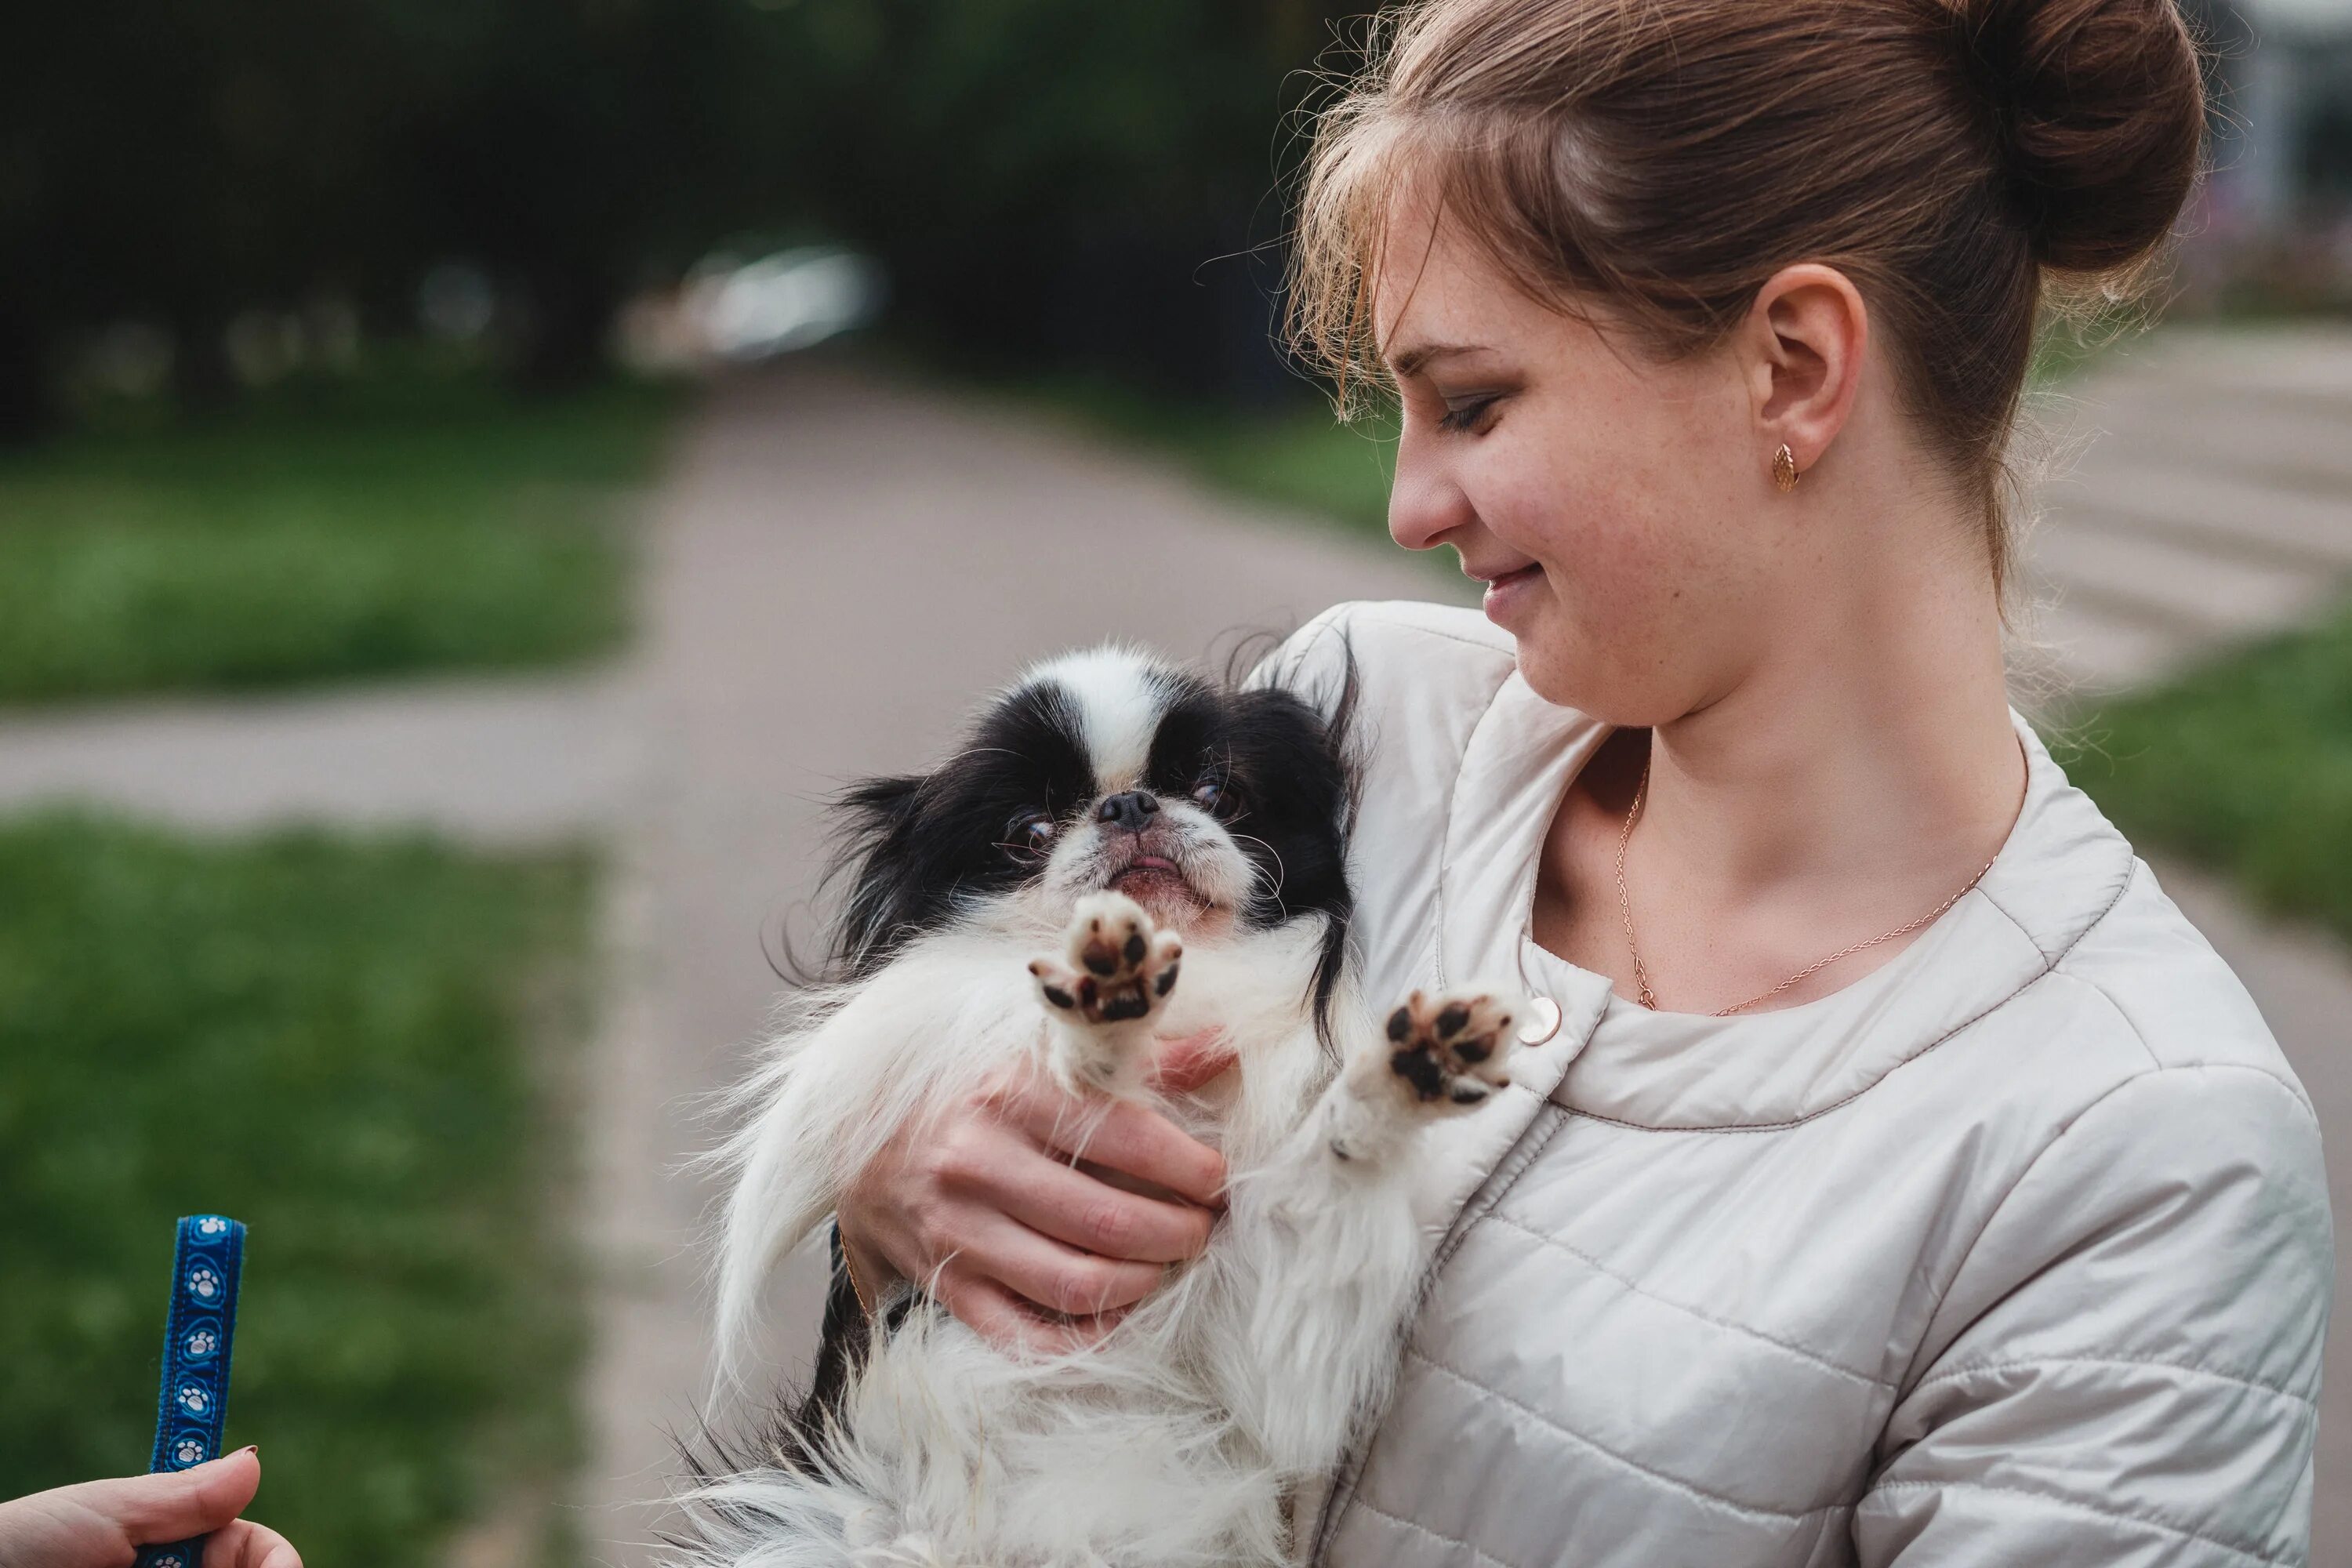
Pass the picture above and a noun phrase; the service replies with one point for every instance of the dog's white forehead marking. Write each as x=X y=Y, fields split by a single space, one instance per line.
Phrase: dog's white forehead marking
x=1120 y=694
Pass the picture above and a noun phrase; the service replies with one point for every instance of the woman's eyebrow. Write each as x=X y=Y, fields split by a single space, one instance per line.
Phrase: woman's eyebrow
x=1420 y=356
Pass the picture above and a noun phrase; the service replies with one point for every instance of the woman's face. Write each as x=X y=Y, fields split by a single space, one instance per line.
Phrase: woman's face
x=1617 y=506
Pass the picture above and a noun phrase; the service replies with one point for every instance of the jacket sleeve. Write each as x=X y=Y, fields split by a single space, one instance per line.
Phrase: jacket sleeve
x=2124 y=1372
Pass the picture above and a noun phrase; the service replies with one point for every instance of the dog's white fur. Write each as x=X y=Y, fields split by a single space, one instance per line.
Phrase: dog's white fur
x=1187 y=1433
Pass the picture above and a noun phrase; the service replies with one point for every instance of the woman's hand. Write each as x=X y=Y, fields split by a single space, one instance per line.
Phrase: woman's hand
x=102 y=1524
x=1028 y=1249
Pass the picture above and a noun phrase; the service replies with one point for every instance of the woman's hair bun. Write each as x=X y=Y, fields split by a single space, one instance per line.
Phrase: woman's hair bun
x=2100 y=110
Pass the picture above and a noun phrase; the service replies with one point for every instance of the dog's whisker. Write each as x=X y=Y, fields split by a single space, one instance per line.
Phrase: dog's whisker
x=1281 y=872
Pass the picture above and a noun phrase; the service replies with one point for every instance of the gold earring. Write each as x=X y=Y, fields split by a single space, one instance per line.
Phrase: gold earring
x=1784 y=469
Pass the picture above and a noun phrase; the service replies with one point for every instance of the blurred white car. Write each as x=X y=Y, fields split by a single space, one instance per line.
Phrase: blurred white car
x=733 y=311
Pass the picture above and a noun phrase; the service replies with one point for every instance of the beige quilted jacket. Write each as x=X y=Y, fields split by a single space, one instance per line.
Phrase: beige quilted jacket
x=2015 y=1252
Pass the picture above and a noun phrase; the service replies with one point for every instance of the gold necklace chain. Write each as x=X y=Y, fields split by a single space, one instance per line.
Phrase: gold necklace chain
x=1649 y=998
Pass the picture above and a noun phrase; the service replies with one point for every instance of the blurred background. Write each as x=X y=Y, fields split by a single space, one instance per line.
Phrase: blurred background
x=475 y=477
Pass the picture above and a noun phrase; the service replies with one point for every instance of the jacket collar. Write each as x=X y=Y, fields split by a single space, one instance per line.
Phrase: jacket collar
x=2062 y=866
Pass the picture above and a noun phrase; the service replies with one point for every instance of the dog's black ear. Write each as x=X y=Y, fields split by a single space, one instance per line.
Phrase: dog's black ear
x=876 y=818
x=1324 y=769
x=877 y=805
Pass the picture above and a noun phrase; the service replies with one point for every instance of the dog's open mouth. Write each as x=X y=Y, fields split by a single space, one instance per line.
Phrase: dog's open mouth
x=1151 y=873
x=1155 y=882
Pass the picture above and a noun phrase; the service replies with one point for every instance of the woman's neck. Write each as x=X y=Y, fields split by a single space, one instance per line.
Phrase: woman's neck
x=1850 y=783
x=1825 y=765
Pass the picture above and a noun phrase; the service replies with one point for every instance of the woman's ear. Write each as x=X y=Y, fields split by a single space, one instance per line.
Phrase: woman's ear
x=1805 y=339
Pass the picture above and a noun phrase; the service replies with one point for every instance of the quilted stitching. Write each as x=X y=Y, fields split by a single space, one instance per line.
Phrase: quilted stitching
x=2076 y=1505
x=1775 y=1516
x=1810 y=1358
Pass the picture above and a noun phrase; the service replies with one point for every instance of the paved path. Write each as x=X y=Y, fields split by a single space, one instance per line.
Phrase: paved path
x=2202 y=494
x=839 y=565
x=489 y=761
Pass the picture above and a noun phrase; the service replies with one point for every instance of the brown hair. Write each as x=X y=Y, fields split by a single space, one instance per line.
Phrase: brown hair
x=1664 y=158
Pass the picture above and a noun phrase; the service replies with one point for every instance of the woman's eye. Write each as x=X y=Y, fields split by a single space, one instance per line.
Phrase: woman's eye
x=1464 y=416
x=1030 y=837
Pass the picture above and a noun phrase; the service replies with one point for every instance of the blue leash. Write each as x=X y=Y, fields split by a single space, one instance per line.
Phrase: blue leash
x=193 y=1403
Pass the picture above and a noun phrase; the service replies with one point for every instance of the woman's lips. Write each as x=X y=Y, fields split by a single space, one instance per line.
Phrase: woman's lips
x=1504 y=592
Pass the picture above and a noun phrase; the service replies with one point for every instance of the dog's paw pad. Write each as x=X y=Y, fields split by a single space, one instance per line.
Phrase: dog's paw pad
x=1453 y=1049
x=1116 y=967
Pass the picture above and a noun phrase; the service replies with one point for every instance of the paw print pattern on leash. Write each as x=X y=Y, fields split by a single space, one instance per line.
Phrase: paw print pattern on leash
x=208 y=1259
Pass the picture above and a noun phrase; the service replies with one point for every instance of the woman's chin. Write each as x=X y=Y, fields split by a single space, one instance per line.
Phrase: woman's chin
x=1561 y=676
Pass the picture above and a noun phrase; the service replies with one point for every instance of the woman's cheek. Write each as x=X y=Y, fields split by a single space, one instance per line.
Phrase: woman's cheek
x=1571 y=651
x=1610 y=627
x=1615 y=539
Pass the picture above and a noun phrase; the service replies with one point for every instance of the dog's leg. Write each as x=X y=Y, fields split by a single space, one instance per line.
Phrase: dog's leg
x=1441 y=1055
x=860 y=1066
x=1329 y=1250
x=1105 y=991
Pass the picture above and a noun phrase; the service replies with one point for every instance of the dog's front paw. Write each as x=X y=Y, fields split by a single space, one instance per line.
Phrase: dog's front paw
x=1116 y=968
x=1453 y=1049
x=1436 y=1055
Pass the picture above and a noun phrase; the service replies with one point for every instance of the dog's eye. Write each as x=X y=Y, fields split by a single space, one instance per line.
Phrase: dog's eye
x=1030 y=837
x=1216 y=795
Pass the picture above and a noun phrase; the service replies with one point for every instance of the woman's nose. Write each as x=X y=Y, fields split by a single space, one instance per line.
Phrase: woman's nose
x=1425 y=506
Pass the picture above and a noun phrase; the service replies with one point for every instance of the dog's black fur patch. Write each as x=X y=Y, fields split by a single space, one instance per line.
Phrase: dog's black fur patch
x=920 y=849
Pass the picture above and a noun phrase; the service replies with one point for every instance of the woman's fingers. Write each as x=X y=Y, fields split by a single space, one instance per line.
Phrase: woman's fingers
x=101 y=1524
x=1052 y=1198
x=998 y=1206
x=1062 y=1279
x=1185 y=1064
x=988 y=1211
x=246 y=1544
x=1129 y=1139
x=1001 y=1317
x=172 y=1505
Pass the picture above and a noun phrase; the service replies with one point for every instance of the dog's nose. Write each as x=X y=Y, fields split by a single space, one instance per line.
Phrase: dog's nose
x=1130 y=809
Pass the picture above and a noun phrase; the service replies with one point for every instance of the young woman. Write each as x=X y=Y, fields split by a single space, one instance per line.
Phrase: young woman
x=1905 y=1181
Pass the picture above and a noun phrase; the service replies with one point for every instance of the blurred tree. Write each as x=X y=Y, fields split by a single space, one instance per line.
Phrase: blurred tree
x=179 y=161
x=1045 y=177
x=1061 y=178
x=174 y=160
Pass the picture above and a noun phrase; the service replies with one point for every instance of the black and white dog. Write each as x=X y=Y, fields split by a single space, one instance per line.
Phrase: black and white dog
x=1110 y=820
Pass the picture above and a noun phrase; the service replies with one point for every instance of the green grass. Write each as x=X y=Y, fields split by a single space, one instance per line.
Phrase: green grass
x=350 y=1046
x=434 y=527
x=2245 y=765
